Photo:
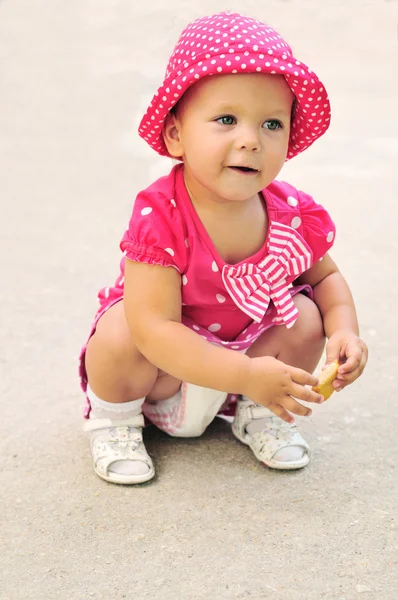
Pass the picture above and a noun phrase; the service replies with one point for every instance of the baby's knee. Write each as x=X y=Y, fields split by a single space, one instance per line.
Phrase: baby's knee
x=113 y=362
x=309 y=325
x=113 y=334
x=112 y=344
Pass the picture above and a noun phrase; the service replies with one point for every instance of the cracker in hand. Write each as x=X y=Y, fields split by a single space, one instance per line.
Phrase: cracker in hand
x=326 y=378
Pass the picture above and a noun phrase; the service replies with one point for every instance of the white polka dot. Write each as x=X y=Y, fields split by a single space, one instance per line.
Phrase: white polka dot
x=173 y=202
x=330 y=236
x=214 y=266
x=296 y=222
x=196 y=328
x=187 y=242
x=170 y=251
x=214 y=327
x=235 y=347
x=146 y=211
x=292 y=201
x=184 y=280
x=220 y=298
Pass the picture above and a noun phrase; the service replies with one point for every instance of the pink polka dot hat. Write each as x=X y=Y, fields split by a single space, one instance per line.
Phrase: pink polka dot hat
x=228 y=43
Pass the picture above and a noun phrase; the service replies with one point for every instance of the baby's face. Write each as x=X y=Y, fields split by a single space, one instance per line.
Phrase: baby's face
x=233 y=134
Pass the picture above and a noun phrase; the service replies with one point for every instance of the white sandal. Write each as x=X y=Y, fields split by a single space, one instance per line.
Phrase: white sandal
x=276 y=435
x=121 y=440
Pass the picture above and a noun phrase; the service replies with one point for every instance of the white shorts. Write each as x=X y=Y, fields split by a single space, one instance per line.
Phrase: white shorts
x=188 y=413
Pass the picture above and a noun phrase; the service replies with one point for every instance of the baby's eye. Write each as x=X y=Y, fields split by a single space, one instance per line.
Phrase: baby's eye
x=226 y=120
x=272 y=125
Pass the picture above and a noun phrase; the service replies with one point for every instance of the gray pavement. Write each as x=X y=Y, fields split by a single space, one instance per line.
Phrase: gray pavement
x=75 y=78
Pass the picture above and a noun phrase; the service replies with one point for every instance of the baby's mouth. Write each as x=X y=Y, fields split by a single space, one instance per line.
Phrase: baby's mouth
x=243 y=169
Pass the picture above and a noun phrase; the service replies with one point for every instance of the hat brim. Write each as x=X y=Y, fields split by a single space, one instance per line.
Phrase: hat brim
x=311 y=117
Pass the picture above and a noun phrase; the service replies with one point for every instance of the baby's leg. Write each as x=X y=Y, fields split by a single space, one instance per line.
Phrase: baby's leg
x=301 y=345
x=274 y=442
x=119 y=379
x=116 y=370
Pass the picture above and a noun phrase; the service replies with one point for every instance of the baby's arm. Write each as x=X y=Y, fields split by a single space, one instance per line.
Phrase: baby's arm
x=152 y=300
x=334 y=300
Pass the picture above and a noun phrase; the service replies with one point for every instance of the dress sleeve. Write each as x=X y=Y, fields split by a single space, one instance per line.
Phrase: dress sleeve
x=318 y=229
x=156 y=232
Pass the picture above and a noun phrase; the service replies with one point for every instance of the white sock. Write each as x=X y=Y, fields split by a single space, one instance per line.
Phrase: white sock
x=100 y=409
x=288 y=454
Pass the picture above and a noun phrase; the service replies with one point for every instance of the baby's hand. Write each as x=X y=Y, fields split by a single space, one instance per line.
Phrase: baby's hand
x=352 y=354
x=275 y=385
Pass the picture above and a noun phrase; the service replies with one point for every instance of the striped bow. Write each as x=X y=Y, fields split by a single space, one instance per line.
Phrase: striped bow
x=252 y=287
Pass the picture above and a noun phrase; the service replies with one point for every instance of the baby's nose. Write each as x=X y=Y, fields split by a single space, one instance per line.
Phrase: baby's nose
x=252 y=146
x=248 y=140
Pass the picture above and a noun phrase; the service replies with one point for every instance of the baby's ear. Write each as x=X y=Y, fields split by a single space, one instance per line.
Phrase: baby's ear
x=171 y=136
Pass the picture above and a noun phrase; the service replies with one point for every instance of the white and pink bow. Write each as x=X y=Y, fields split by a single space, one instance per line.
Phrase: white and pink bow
x=252 y=287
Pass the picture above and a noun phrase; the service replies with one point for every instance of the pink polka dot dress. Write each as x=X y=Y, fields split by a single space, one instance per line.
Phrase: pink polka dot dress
x=228 y=305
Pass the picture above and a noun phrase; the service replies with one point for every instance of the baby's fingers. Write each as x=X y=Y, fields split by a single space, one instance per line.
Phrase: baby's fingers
x=351 y=363
x=282 y=413
x=289 y=404
x=345 y=379
x=305 y=393
x=302 y=377
x=356 y=356
x=295 y=407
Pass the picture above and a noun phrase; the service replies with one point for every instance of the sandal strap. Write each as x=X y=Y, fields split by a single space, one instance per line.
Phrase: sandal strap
x=255 y=411
x=248 y=411
x=94 y=424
